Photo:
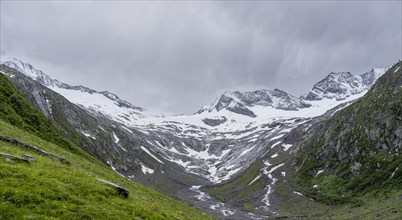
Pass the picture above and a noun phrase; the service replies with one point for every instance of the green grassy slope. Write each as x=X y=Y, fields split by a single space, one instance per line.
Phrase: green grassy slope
x=48 y=189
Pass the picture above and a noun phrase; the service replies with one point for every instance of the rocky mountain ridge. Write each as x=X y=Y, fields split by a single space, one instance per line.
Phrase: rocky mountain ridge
x=333 y=89
x=238 y=102
x=260 y=104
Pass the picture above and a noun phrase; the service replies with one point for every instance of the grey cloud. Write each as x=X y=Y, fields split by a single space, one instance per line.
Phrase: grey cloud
x=177 y=56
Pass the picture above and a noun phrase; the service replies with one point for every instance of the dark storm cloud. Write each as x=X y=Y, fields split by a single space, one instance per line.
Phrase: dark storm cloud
x=178 y=56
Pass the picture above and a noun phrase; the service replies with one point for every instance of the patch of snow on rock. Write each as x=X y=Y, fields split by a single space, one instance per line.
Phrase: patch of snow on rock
x=319 y=172
x=286 y=146
x=87 y=135
x=116 y=139
x=150 y=154
x=295 y=192
x=146 y=169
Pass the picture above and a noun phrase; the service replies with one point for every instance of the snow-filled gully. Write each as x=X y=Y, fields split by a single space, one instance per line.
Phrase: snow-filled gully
x=269 y=188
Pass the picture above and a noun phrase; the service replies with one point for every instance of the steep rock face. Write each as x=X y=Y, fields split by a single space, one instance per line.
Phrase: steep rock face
x=239 y=102
x=358 y=148
x=343 y=84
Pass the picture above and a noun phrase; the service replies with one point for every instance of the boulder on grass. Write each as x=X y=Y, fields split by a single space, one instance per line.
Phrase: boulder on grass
x=122 y=191
x=11 y=158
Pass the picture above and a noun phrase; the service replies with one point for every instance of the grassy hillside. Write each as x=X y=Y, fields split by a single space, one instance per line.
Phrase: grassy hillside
x=48 y=189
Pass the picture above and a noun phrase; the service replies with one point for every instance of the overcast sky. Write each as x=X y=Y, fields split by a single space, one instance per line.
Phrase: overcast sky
x=174 y=57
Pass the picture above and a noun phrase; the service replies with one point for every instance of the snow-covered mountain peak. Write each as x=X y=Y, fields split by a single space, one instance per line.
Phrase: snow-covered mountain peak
x=380 y=71
x=339 y=74
x=25 y=68
x=340 y=85
x=30 y=71
x=370 y=77
x=104 y=102
x=241 y=102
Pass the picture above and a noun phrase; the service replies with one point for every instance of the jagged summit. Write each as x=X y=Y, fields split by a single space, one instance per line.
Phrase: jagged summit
x=31 y=72
x=239 y=102
x=103 y=102
x=340 y=85
x=369 y=78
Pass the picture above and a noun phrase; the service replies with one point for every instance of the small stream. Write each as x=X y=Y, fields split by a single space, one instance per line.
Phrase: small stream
x=212 y=206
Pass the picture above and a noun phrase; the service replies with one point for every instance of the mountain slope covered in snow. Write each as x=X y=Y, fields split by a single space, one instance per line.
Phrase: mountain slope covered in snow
x=104 y=102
